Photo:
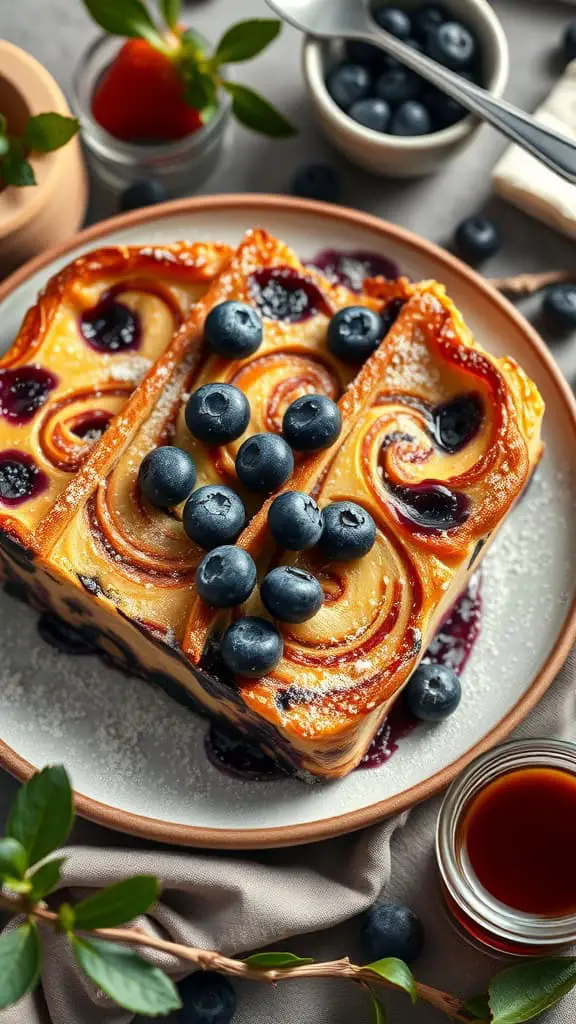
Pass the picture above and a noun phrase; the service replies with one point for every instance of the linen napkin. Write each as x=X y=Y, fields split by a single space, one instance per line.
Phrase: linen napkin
x=304 y=899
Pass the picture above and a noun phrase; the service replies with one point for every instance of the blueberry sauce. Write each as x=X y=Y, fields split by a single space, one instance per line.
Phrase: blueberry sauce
x=20 y=477
x=111 y=326
x=431 y=507
x=89 y=426
x=452 y=646
x=281 y=293
x=23 y=391
x=456 y=422
x=351 y=268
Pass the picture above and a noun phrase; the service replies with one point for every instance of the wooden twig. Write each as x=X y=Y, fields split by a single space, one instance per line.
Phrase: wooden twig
x=529 y=284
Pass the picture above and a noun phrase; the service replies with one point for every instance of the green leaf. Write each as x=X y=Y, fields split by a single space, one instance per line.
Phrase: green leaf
x=20 y=957
x=3 y=124
x=521 y=993
x=46 y=132
x=479 y=1007
x=125 y=18
x=256 y=113
x=14 y=168
x=42 y=814
x=271 y=960
x=171 y=12
x=397 y=973
x=117 y=903
x=199 y=87
x=45 y=879
x=13 y=858
x=125 y=978
x=378 y=1011
x=66 y=918
x=245 y=40
x=4 y=144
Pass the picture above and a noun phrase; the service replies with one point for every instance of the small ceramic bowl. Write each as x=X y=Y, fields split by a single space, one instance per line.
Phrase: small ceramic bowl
x=393 y=155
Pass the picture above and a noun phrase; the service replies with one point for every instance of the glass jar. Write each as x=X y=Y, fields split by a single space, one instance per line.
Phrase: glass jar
x=181 y=166
x=480 y=917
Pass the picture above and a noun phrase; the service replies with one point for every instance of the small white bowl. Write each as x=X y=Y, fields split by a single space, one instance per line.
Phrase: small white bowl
x=394 y=155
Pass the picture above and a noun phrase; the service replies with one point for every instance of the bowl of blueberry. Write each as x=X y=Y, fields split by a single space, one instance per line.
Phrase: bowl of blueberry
x=385 y=117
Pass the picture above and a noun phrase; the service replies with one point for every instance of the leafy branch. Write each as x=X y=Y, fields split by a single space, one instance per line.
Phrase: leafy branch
x=41 y=820
x=201 y=73
x=43 y=133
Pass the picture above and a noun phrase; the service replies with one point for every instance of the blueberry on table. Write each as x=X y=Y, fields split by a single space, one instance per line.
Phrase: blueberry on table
x=207 y=998
x=569 y=41
x=349 y=531
x=311 y=423
x=226 y=576
x=432 y=693
x=559 y=307
x=426 y=18
x=213 y=515
x=147 y=192
x=217 y=413
x=264 y=462
x=477 y=238
x=452 y=45
x=348 y=83
x=411 y=119
x=167 y=476
x=317 y=181
x=233 y=330
x=251 y=647
x=393 y=20
x=291 y=594
x=354 y=332
x=371 y=112
x=295 y=521
x=391 y=930
x=397 y=85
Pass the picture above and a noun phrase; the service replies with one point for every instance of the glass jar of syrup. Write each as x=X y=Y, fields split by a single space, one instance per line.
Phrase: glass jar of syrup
x=506 y=848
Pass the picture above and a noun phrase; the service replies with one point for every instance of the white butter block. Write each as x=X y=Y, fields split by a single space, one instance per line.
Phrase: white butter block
x=527 y=183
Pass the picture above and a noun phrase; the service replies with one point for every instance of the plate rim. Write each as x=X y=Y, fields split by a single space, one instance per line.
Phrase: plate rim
x=292 y=835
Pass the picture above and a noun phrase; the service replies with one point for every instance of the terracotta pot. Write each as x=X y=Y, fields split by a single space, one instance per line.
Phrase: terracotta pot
x=35 y=217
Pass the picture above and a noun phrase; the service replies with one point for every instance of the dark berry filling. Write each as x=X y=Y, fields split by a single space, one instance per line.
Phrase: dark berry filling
x=111 y=326
x=457 y=421
x=59 y=634
x=20 y=477
x=23 y=391
x=431 y=507
x=281 y=293
x=90 y=426
x=352 y=268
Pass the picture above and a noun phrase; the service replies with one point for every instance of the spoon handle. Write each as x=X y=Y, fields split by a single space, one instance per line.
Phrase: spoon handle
x=557 y=151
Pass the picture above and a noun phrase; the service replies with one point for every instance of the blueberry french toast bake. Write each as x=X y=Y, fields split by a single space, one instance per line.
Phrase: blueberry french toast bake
x=252 y=485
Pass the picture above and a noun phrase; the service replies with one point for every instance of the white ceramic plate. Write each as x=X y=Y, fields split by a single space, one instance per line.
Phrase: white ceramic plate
x=137 y=759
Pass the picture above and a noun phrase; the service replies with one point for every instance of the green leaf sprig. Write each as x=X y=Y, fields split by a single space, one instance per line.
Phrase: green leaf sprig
x=101 y=943
x=201 y=74
x=42 y=134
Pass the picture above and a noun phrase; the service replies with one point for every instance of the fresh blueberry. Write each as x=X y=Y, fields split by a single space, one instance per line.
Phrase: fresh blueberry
x=217 y=413
x=317 y=181
x=445 y=110
x=410 y=119
x=167 y=476
x=226 y=576
x=389 y=930
x=291 y=594
x=349 y=531
x=365 y=54
x=394 y=21
x=251 y=646
x=427 y=18
x=233 y=330
x=348 y=83
x=354 y=332
x=147 y=192
x=452 y=45
x=559 y=307
x=477 y=238
x=569 y=41
x=264 y=462
x=432 y=693
x=311 y=422
x=208 y=998
x=372 y=112
x=414 y=44
x=213 y=515
x=397 y=85
x=295 y=521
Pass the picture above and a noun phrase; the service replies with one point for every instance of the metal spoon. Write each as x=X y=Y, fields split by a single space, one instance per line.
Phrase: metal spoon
x=351 y=19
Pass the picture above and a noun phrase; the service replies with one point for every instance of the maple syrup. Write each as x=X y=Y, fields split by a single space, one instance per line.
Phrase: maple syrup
x=506 y=845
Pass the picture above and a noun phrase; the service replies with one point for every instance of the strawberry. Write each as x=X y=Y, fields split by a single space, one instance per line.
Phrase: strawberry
x=140 y=98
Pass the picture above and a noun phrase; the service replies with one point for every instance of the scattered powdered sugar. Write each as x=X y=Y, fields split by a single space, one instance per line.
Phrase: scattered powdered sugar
x=130 y=371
